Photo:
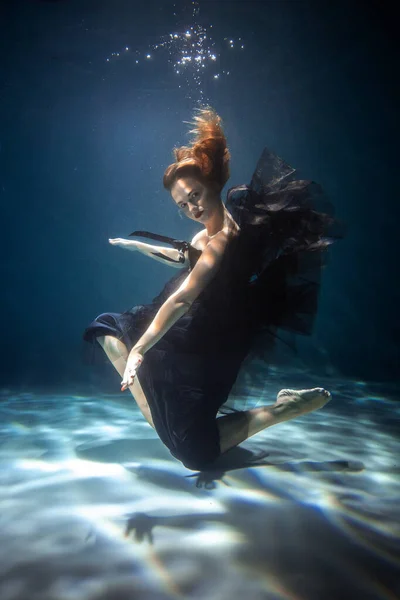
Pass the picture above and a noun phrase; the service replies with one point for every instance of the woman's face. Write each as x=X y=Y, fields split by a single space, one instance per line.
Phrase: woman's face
x=196 y=200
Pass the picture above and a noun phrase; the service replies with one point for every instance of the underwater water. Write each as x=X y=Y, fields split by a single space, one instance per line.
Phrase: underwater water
x=93 y=506
x=93 y=97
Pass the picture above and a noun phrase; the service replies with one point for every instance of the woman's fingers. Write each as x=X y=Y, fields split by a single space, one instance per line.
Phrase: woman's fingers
x=130 y=371
x=125 y=385
x=127 y=381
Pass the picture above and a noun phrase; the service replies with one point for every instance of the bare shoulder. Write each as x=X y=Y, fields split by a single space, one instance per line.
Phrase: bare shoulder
x=200 y=240
x=219 y=242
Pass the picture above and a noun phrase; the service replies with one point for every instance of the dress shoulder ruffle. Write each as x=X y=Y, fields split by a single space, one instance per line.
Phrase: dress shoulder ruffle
x=288 y=223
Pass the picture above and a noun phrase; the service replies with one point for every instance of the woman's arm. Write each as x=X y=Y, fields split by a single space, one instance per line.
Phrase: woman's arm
x=182 y=299
x=177 y=304
x=169 y=256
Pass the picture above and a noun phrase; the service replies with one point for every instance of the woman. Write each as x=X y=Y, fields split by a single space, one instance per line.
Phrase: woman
x=251 y=269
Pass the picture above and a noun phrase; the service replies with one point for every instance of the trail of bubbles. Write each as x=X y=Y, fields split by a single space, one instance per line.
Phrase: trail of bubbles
x=195 y=57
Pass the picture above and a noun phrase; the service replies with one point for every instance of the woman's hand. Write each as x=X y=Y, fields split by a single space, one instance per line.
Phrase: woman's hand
x=134 y=361
x=127 y=244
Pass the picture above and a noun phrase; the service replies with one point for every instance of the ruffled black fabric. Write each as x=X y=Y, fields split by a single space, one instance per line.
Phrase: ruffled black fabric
x=289 y=224
x=269 y=279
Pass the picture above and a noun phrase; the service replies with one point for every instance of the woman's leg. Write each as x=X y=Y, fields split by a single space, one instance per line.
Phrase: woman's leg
x=237 y=427
x=118 y=355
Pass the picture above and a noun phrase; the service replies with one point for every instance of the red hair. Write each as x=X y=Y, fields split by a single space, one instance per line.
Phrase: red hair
x=207 y=157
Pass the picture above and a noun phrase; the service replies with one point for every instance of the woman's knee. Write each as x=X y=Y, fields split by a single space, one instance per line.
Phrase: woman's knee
x=112 y=346
x=106 y=341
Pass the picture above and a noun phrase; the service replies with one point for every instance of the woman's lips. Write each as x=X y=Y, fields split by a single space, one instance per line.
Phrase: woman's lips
x=198 y=213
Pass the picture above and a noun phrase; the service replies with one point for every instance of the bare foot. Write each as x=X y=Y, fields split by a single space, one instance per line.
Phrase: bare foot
x=293 y=403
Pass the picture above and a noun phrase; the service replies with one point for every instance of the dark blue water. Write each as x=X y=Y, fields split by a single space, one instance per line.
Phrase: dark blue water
x=92 y=504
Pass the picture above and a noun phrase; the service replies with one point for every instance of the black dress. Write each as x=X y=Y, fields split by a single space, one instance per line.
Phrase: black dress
x=268 y=279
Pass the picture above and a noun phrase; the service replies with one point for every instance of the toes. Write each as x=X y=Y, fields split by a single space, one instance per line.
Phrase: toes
x=322 y=391
x=304 y=393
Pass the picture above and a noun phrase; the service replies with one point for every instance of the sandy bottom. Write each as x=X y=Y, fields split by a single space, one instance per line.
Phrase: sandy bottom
x=93 y=506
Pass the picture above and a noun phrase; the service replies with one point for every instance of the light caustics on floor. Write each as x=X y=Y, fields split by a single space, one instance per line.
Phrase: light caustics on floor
x=93 y=506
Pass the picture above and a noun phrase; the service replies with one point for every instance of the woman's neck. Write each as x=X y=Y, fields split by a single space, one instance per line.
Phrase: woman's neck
x=218 y=220
x=224 y=220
